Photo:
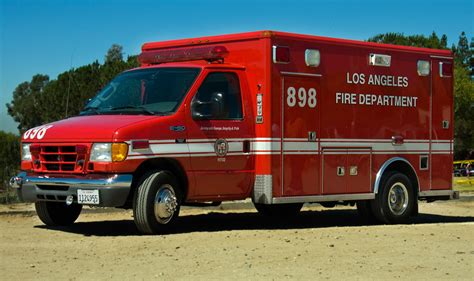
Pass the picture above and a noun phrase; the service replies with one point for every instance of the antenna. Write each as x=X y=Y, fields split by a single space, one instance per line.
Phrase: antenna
x=69 y=85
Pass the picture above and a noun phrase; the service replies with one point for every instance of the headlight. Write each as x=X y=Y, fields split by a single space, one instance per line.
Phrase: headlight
x=109 y=152
x=25 y=152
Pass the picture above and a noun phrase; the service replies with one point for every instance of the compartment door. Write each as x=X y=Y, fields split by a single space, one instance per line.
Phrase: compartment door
x=346 y=170
x=441 y=123
x=300 y=134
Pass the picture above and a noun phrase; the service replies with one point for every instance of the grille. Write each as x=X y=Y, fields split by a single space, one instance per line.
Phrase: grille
x=58 y=158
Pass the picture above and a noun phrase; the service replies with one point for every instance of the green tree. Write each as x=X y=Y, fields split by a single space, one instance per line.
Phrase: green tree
x=9 y=162
x=114 y=54
x=24 y=107
x=462 y=51
x=463 y=112
x=433 y=41
x=43 y=101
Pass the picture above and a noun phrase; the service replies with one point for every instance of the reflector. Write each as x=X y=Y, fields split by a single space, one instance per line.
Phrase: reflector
x=35 y=149
x=140 y=144
x=445 y=69
x=281 y=54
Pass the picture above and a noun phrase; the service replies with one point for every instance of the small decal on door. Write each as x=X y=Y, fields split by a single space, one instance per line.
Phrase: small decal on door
x=221 y=147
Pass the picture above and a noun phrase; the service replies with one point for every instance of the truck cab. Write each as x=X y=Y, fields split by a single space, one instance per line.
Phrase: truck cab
x=187 y=124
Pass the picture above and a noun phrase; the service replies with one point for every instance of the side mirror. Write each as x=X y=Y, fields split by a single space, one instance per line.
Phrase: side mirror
x=212 y=109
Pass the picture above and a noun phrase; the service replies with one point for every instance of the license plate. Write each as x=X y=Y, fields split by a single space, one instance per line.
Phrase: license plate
x=88 y=196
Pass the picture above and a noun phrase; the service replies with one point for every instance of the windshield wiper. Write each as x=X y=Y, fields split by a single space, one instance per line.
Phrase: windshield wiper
x=141 y=109
x=93 y=109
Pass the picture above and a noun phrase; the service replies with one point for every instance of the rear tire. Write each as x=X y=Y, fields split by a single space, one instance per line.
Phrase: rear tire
x=157 y=202
x=395 y=201
x=57 y=213
x=278 y=210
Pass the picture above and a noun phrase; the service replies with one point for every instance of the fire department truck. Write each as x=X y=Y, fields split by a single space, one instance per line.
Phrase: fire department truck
x=281 y=118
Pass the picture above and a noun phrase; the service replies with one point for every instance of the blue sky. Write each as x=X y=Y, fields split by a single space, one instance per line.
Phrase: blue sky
x=51 y=36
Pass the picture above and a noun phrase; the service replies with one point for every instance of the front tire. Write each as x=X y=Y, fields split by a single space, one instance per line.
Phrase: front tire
x=157 y=202
x=395 y=202
x=57 y=213
x=279 y=210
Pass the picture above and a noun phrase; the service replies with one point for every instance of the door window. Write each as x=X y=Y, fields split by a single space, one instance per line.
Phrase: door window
x=218 y=98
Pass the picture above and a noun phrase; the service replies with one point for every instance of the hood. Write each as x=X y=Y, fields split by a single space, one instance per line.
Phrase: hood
x=82 y=128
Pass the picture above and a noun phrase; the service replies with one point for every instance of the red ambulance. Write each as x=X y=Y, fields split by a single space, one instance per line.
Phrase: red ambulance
x=281 y=118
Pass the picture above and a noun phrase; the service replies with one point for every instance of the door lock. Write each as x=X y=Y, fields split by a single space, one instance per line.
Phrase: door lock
x=341 y=171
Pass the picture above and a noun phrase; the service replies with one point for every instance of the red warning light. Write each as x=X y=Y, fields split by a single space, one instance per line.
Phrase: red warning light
x=211 y=53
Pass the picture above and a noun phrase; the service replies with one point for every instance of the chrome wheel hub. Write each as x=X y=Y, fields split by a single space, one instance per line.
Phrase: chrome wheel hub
x=398 y=198
x=166 y=204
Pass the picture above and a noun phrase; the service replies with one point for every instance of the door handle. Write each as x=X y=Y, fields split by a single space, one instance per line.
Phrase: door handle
x=246 y=146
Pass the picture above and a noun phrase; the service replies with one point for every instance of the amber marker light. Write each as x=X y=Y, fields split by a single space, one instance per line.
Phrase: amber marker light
x=119 y=151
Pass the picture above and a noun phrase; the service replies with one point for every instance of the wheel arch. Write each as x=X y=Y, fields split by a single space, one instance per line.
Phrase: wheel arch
x=168 y=164
x=401 y=165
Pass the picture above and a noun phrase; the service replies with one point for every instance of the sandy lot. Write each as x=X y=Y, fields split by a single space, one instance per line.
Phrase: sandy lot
x=234 y=242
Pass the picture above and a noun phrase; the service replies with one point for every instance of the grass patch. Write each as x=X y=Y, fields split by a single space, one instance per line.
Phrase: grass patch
x=463 y=184
x=8 y=196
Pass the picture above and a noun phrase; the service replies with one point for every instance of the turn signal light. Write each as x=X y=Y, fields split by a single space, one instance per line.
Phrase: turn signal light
x=119 y=151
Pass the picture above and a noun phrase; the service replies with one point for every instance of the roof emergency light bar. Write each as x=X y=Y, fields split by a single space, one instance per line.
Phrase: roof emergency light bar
x=211 y=53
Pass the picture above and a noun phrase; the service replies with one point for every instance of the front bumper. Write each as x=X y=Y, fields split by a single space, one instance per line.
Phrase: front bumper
x=113 y=189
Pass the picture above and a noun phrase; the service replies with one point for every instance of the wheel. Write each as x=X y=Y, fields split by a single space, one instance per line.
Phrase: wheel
x=57 y=213
x=157 y=202
x=395 y=201
x=278 y=210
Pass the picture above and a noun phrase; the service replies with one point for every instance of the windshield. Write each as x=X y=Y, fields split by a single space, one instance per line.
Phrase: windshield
x=145 y=91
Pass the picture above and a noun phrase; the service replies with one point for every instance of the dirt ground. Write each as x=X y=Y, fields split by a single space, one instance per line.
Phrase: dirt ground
x=233 y=242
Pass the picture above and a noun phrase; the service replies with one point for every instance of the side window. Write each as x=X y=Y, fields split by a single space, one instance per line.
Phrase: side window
x=218 y=98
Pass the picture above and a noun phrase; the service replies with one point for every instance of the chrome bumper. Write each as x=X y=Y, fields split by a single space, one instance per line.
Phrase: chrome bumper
x=113 y=189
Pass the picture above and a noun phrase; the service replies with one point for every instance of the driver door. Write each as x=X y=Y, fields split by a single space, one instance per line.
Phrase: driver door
x=219 y=132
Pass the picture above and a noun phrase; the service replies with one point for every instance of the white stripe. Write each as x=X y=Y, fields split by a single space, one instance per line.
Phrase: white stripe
x=231 y=140
x=202 y=155
x=441 y=57
x=301 y=74
x=295 y=139
x=265 y=146
x=440 y=146
x=355 y=140
x=265 y=153
x=299 y=145
x=300 y=152
x=289 y=146
x=441 y=141
x=285 y=153
x=235 y=146
x=379 y=146
x=161 y=148
x=201 y=147
x=401 y=152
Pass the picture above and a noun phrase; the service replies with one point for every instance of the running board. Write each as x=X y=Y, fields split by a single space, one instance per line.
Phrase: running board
x=323 y=198
x=449 y=194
